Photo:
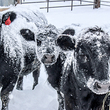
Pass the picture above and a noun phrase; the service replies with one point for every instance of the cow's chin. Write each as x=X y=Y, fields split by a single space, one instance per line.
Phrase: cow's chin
x=48 y=63
x=98 y=87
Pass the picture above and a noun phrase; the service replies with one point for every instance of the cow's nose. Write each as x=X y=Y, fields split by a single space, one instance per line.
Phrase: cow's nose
x=50 y=50
x=48 y=59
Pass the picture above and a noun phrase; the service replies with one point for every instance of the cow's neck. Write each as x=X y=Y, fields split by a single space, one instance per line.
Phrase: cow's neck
x=54 y=73
x=79 y=97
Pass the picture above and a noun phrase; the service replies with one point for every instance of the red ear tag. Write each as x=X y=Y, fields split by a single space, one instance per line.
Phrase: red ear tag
x=8 y=21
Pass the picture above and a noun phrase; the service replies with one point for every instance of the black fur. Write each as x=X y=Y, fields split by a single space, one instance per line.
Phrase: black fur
x=8 y=77
x=54 y=72
x=77 y=96
x=29 y=59
x=32 y=64
x=94 y=30
x=54 y=67
x=69 y=32
x=10 y=71
x=54 y=77
x=65 y=42
x=89 y=63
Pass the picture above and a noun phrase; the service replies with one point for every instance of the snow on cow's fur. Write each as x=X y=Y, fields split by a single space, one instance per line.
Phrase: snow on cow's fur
x=98 y=42
x=10 y=34
x=52 y=57
x=46 y=45
x=18 y=49
x=15 y=46
x=85 y=79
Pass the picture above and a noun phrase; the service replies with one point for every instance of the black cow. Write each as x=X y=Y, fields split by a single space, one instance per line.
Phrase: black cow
x=18 y=55
x=40 y=21
x=53 y=60
x=33 y=67
x=86 y=77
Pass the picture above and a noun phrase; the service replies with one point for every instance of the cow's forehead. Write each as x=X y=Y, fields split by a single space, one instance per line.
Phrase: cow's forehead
x=47 y=35
x=95 y=38
x=48 y=32
x=95 y=51
x=90 y=34
x=95 y=42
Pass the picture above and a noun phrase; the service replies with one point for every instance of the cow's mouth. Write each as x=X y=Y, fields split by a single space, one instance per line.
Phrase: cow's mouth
x=48 y=59
x=99 y=87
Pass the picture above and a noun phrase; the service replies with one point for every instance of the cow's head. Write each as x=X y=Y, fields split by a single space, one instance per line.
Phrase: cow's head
x=18 y=37
x=46 y=45
x=90 y=59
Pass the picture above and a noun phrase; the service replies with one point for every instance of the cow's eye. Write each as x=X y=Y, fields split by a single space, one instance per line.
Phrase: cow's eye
x=27 y=34
x=38 y=42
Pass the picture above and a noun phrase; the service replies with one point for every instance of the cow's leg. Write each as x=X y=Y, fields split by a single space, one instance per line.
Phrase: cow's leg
x=5 y=101
x=8 y=86
x=19 y=85
x=35 y=76
x=60 y=100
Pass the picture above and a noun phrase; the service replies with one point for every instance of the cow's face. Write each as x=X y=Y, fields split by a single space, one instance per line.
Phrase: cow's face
x=90 y=59
x=16 y=24
x=46 y=46
x=18 y=37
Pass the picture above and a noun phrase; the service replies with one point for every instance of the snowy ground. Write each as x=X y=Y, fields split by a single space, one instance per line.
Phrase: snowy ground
x=44 y=97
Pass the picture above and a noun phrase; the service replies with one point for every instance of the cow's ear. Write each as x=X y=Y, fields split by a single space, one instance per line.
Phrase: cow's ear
x=69 y=32
x=65 y=42
x=8 y=18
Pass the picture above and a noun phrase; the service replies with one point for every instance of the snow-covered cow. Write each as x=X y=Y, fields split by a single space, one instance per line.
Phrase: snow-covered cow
x=18 y=47
x=40 y=21
x=50 y=55
x=86 y=73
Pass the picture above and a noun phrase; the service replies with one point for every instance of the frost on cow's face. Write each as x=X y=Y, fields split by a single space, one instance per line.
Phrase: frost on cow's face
x=18 y=38
x=46 y=45
x=89 y=59
x=92 y=60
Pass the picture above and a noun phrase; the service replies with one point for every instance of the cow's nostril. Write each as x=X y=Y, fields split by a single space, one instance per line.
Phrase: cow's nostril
x=48 y=59
x=53 y=57
x=45 y=57
x=97 y=86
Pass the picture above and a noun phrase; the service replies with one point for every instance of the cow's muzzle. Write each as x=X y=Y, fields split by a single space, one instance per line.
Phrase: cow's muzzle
x=99 y=87
x=48 y=59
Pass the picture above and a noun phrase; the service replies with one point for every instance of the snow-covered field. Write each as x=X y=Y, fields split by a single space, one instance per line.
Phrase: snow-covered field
x=44 y=97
